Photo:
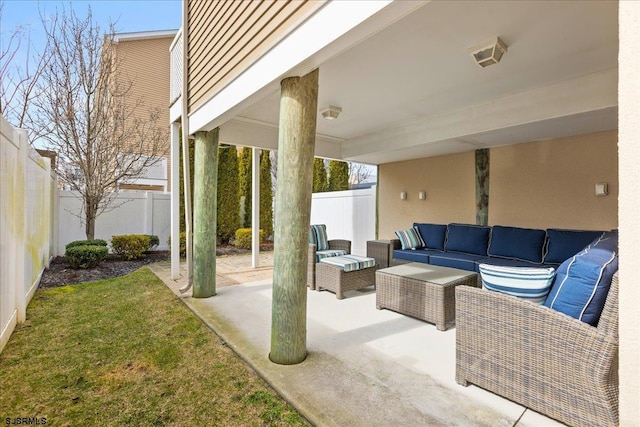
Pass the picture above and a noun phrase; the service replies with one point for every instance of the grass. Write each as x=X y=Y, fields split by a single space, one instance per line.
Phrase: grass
x=126 y=351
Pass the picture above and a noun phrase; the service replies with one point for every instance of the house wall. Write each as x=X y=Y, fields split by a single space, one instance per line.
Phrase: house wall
x=146 y=63
x=546 y=184
x=226 y=37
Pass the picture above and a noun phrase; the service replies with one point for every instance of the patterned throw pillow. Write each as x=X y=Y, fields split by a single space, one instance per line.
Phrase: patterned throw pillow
x=410 y=239
x=319 y=234
x=529 y=283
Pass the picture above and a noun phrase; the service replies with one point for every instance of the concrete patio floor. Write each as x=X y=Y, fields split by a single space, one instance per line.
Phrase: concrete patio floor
x=364 y=366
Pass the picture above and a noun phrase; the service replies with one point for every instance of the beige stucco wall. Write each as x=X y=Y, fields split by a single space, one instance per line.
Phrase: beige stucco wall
x=552 y=183
x=449 y=182
x=547 y=184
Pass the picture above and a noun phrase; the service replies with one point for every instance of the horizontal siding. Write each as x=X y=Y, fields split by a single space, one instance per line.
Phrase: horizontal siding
x=226 y=37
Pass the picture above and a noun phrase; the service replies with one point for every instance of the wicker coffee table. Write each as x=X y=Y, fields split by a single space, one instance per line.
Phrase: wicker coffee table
x=426 y=292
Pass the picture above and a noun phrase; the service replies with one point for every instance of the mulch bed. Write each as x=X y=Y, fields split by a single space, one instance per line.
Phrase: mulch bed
x=60 y=272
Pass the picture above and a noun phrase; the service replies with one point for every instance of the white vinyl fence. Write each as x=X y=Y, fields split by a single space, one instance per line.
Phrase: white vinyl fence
x=349 y=215
x=26 y=217
x=133 y=213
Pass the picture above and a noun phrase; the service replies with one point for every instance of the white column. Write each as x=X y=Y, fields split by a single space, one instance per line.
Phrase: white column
x=175 y=201
x=255 y=207
x=629 y=210
x=20 y=242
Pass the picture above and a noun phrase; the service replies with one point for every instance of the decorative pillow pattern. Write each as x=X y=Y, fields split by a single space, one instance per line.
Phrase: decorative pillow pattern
x=471 y=239
x=410 y=239
x=523 y=244
x=582 y=282
x=433 y=235
x=319 y=234
x=529 y=283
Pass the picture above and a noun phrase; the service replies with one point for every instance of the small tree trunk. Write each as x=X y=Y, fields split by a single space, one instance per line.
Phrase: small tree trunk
x=296 y=143
x=90 y=218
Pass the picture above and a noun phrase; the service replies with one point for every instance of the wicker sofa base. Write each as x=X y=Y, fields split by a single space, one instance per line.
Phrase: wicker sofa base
x=424 y=300
x=336 y=280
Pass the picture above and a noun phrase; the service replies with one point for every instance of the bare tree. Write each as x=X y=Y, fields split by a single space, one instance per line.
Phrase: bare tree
x=18 y=81
x=87 y=114
x=358 y=173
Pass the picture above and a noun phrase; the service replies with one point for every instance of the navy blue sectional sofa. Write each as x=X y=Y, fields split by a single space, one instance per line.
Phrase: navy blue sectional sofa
x=466 y=246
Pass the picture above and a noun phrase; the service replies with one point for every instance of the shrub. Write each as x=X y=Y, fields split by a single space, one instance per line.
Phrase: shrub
x=85 y=256
x=130 y=246
x=154 y=241
x=183 y=243
x=243 y=237
x=94 y=242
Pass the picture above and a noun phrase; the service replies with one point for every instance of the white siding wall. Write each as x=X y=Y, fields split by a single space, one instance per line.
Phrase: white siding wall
x=25 y=225
x=134 y=213
x=349 y=215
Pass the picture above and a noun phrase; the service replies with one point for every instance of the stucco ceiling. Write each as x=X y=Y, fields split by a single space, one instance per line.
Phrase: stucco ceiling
x=412 y=89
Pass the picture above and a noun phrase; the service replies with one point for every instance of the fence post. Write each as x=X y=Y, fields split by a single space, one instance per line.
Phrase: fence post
x=148 y=213
x=21 y=293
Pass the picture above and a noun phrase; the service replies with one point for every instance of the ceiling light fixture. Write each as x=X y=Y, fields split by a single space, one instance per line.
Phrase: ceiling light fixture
x=489 y=52
x=331 y=112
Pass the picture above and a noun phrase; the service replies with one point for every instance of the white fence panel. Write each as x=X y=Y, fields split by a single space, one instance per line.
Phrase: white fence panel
x=349 y=215
x=25 y=225
x=133 y=213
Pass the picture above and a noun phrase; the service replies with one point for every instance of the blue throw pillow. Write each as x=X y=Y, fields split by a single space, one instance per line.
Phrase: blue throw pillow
x=529 y=283
x=582 y=282
x=433 y=235
x=410 y=239
x=563 y=244
x=471 y=239
x=319 y=234
x=523 y=244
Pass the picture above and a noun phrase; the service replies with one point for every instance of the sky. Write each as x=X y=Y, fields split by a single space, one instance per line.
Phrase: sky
x=127 y=15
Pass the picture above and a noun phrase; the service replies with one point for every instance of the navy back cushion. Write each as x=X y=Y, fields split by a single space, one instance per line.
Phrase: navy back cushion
x=563 y=244
x=472 y=239
x=524 y=244
x=582 y=282
x=432 y=234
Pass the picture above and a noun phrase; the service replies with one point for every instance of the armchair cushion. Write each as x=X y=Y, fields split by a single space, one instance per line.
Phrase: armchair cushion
x=582 y=282
x=318 y=236
x=329 y=253
x=531 y=284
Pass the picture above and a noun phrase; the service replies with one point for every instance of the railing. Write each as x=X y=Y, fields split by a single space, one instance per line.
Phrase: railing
x=175 y=79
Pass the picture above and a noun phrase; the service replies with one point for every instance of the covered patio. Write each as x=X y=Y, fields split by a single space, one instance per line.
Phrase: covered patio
x=414 y=102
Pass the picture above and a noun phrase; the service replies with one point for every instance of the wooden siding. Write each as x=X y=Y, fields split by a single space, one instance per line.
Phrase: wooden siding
x=226 y=37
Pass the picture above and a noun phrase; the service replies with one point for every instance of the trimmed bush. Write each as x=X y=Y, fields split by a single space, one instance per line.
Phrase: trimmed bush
x=130 y=246
x=94 y=242
x=183 y=243
x=243 y=237
x=154 y=241
x=86 y=256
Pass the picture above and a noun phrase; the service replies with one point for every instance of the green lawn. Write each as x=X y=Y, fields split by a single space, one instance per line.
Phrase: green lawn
x=126 y=351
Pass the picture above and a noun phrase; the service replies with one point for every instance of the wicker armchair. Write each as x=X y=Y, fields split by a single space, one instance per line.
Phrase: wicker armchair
x=540 y=358
x=336 y=244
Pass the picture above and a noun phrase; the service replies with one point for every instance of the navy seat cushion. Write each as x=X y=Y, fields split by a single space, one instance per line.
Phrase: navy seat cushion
x=582 y=281
x=471 y=239
x=520 y=243
x=433 y=235
x=563 y=244
x=417 y=255
x=455 y=260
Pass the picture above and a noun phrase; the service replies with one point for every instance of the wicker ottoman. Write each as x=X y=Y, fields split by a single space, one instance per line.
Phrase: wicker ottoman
x=345 y=273
x=423 y=291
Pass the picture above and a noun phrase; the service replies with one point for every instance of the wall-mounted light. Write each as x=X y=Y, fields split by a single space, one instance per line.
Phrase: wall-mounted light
x=422 y=195
x=403 y=195
x=602 y=189
x=330 y=112
x=489 y=52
